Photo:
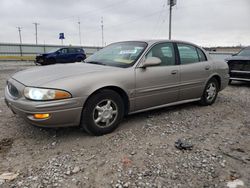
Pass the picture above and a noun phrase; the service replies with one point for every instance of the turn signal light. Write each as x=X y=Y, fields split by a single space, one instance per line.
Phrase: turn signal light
x=41 y=116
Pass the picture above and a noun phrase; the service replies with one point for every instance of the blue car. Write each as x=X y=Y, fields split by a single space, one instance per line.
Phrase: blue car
x=62 y=55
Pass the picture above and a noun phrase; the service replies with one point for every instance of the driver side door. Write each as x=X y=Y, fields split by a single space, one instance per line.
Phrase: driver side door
x=158 y=85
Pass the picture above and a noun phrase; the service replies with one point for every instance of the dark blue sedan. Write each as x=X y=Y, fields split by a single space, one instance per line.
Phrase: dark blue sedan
x=62 y=55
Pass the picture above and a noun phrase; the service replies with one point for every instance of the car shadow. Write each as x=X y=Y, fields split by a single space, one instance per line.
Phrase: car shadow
x=157 y=112
x=126 y=123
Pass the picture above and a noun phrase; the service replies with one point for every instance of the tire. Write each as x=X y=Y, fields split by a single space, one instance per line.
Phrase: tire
x=102 y=113
x=210 y=93
x=37 y=64
x=51 y=61
x=79 y=59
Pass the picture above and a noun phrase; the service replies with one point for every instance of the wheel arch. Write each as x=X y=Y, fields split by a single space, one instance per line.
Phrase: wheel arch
x=120 y=91
x=217 y=77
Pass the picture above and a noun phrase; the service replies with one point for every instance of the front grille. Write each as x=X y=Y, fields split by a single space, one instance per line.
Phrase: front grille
x=239 y=65
x=12 y=90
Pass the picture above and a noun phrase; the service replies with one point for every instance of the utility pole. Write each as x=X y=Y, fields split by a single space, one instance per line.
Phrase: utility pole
x=102 y=26
x=171 y=3
x=36 y=24
x=80 y=38
x=20 y=38
x=20 y=35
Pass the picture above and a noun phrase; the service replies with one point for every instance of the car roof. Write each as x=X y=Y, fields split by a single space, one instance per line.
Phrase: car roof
x=153 y=41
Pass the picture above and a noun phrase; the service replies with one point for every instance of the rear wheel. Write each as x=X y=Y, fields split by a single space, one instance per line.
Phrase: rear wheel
x=102 y=113
x=210 y=93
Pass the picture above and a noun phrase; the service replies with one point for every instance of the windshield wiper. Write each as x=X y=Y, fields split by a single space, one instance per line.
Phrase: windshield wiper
x=95 y=62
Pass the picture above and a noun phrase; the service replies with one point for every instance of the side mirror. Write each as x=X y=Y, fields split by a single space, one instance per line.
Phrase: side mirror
x=151 y=61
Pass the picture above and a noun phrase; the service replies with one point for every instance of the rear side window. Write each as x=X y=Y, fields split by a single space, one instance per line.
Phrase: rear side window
x=79 y=50
x=201 y=54
x=188 y=54
x=71 y=50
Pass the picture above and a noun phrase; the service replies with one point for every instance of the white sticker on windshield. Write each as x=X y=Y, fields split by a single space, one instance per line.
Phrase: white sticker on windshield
x=128 y=51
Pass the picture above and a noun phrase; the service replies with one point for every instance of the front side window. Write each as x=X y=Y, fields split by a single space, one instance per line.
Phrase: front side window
x=165 y=52
x=63 y=51
x=122 y=54
x=78 y=50
x=188 y=54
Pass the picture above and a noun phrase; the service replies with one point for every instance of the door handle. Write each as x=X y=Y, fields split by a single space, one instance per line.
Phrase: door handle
x=174 y=72
x=207 y=68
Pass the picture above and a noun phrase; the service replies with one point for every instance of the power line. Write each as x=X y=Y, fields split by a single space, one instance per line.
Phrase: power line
x=97 y=11
x=36 y=24
x=157 y=27
x=112 y=27
x=134 y=20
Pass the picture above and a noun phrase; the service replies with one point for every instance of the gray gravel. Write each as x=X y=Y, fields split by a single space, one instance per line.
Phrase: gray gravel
x=140 y=153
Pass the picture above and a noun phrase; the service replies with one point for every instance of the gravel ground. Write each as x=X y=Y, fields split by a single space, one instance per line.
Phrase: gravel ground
x=140 y=153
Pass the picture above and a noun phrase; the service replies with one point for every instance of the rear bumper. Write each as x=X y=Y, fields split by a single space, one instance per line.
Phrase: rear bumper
x=63 y=113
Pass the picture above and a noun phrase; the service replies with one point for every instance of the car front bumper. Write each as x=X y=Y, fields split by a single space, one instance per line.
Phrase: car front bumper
x=62 y=113
x=40 y=60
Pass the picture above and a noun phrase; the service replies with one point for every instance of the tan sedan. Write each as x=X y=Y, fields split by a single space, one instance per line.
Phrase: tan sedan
x=121 y=79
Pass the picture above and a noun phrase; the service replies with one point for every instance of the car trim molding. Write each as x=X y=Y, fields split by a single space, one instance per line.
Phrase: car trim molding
x=140 y=91
x=237 y=71
x=240 y=79
x=166 y=105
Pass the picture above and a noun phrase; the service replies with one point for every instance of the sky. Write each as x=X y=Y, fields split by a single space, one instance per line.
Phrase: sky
x=204 y=22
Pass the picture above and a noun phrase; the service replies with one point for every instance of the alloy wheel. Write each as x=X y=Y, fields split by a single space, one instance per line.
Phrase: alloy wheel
x=105 y=113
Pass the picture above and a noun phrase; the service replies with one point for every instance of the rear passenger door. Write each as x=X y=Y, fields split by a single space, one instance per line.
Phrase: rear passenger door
x=72 y=53
x=194 y=71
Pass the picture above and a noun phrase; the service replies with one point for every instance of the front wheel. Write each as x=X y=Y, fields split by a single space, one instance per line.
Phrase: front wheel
x=210 y=93
x=50 y=61
x=79 y=59
x=102 y=113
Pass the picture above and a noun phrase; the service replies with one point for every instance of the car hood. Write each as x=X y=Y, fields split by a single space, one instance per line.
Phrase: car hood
x=41 y=75
x=244 y=58
x=44 y=54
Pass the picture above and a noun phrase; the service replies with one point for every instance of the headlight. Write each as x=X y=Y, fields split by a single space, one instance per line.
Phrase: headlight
x=40 y=94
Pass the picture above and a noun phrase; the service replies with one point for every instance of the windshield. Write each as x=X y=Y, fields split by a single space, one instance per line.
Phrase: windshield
x=244 y=52
x=122 y=54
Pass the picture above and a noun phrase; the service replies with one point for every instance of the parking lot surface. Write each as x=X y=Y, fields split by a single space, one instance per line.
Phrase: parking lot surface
x=140 y=153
